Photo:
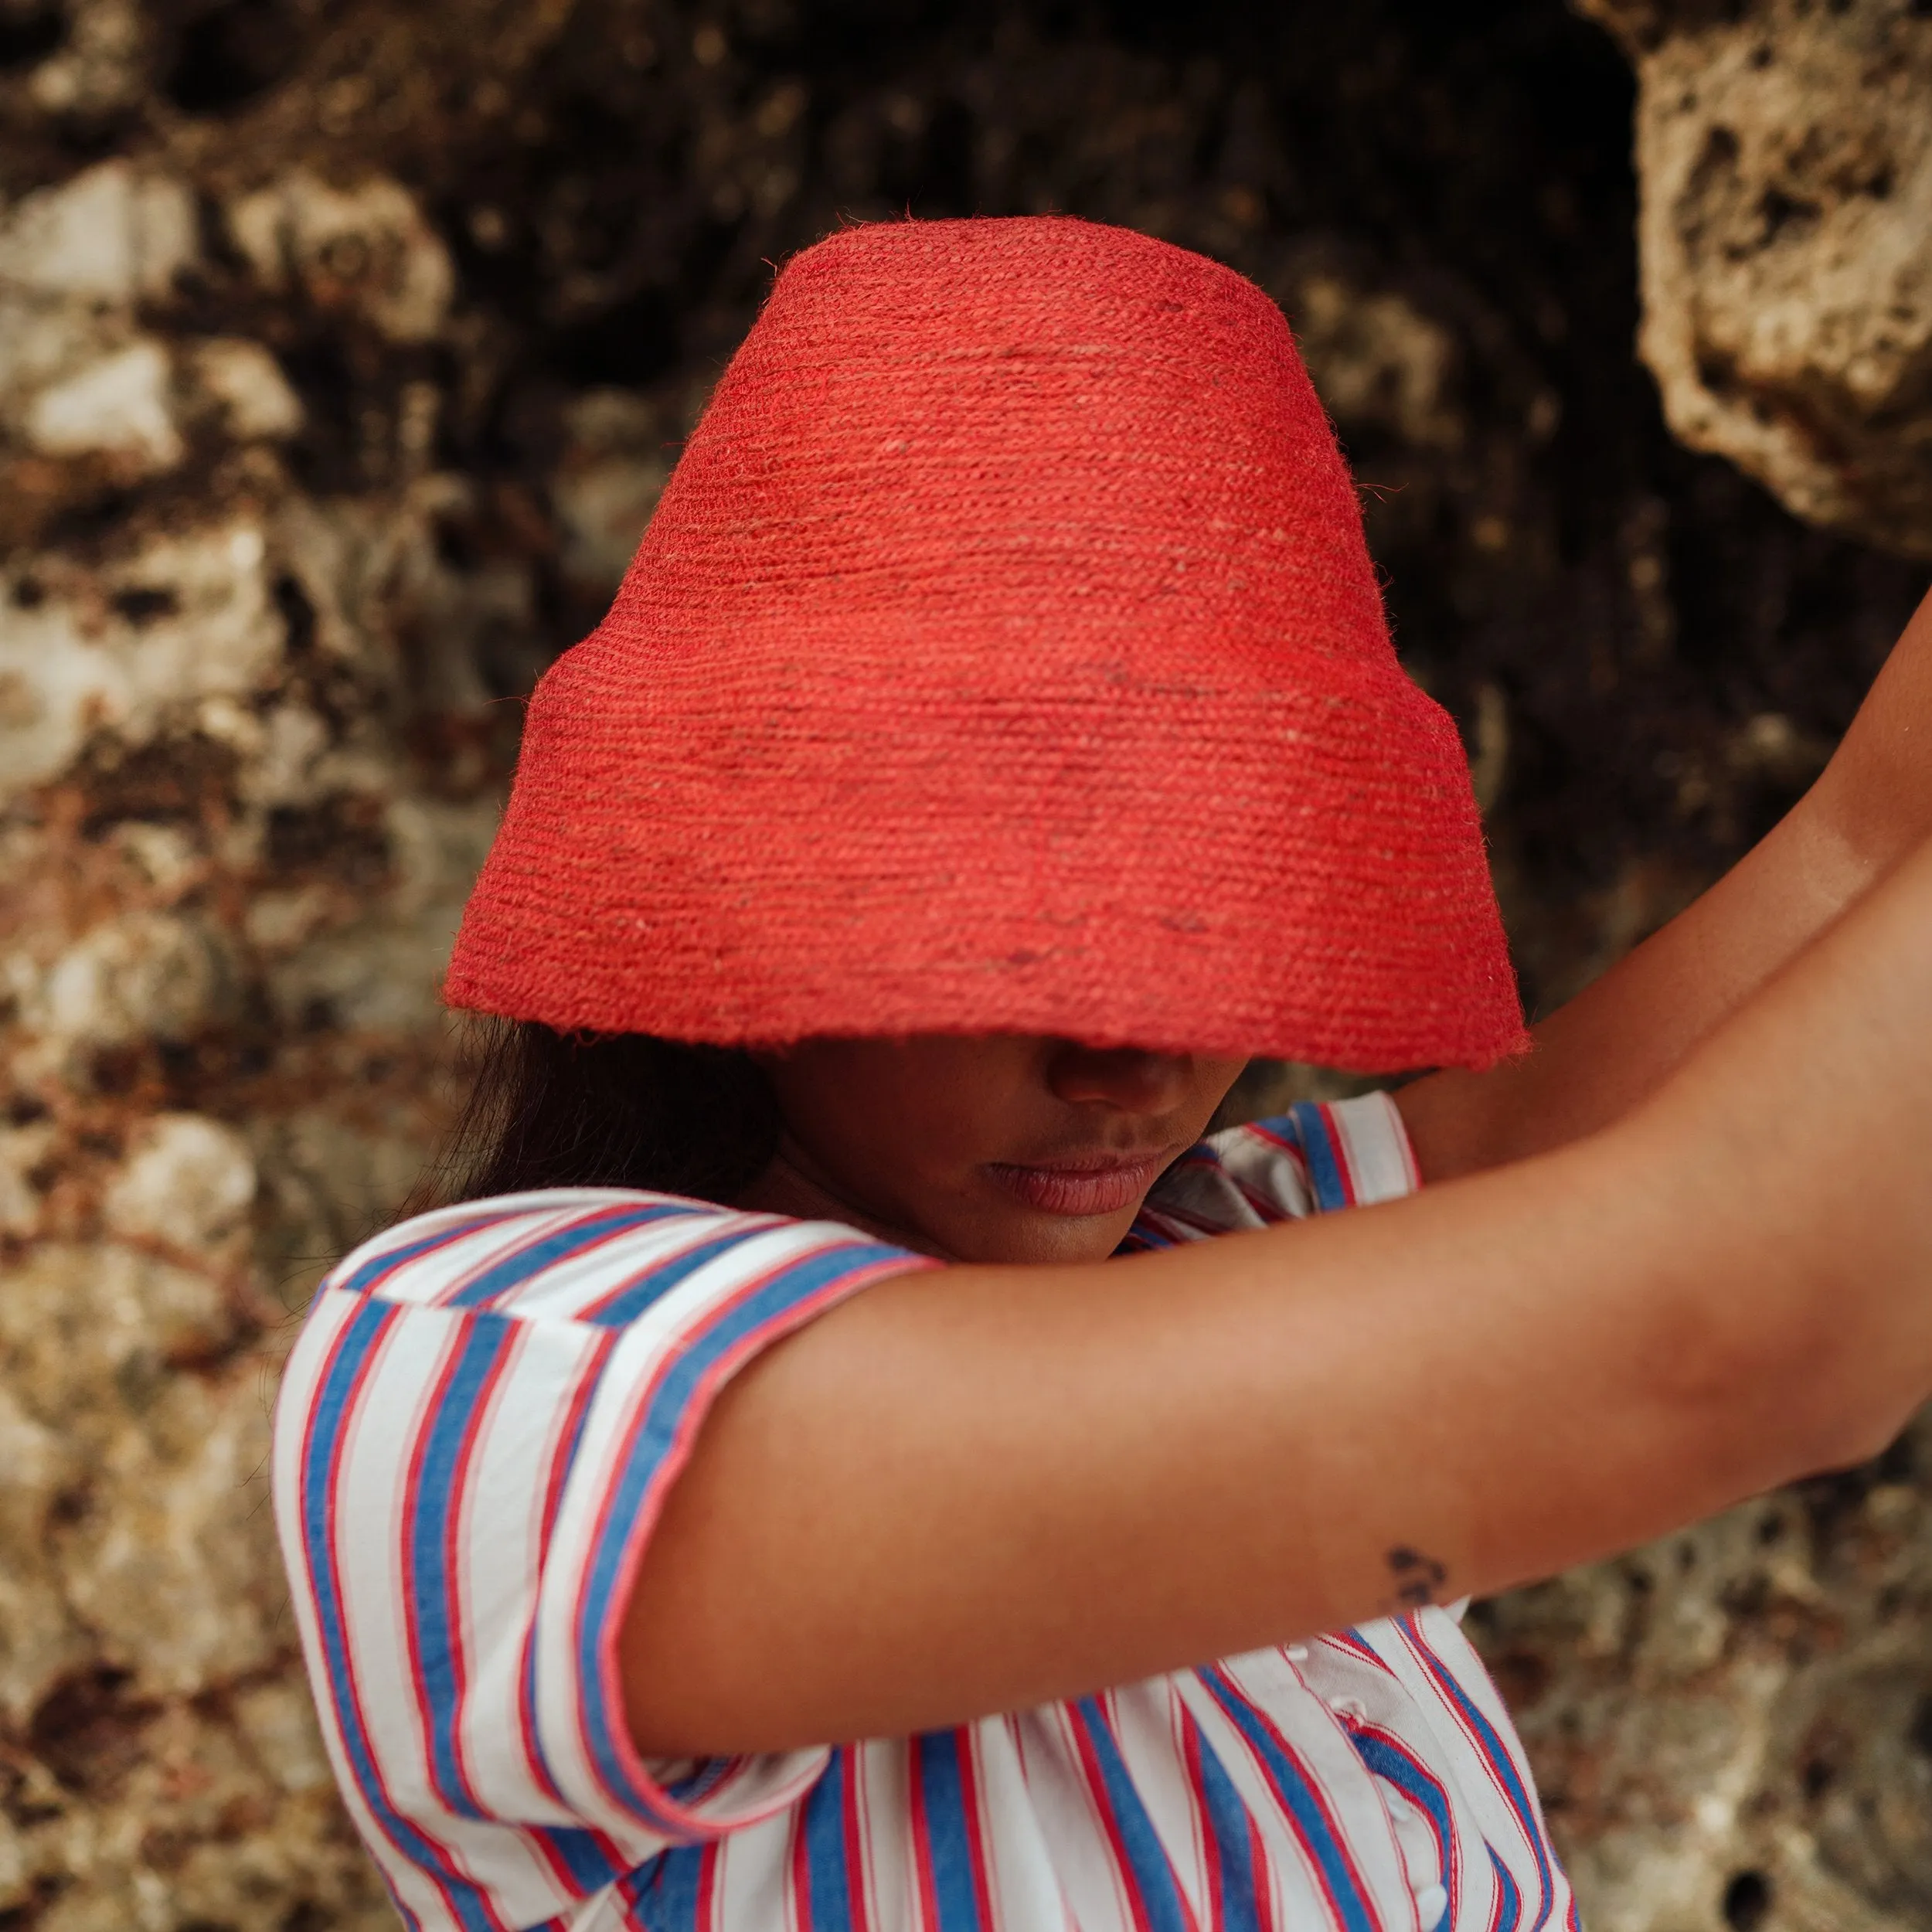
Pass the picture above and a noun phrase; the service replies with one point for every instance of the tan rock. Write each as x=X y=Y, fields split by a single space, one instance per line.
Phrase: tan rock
x=100 y=69
x=144 y=973
x=118 y=407
x=367 y=248
x=172 y=1565
x=1374 y=358
x=21 y=1151
x=112 y=234
x=188 y=1182
x=125 y=1481
x=246 y=384
x=613 y=470
x=1785 y=154
x=185 y=618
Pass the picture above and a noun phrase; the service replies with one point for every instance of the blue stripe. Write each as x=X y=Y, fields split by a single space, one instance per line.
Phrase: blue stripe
x=1510 y=1915
x=352 y=1347
x=1422 y=1790
x=578 y=1851
x=521 y=1263
x=391 y=1259
x=948 y=1831
x=663 y=1894
x=1498 y=1754
x=632 y=1484
x=1153 y=1881
x=1291 y=1786
x=1228 y=1825
x=427 y=1595
x=626 y=1305
x=824 y=1825
x=1304 y=1125
x=708 y=1773
x=568 y=1462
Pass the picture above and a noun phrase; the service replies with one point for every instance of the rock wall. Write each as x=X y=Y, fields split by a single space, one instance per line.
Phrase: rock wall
x=228 y=889
x=343 y=350
x=1786 y=154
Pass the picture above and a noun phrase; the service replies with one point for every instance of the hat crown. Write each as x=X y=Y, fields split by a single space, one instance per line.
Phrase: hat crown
x=1033 y=431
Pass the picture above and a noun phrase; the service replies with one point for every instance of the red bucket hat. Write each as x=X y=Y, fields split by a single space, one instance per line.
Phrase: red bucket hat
x=1004 y=656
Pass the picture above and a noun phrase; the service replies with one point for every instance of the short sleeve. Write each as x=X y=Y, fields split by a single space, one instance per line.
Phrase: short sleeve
x=1316 y=1158
x=474 y=1436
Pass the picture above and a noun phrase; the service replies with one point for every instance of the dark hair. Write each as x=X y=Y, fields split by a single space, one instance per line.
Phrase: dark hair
x=547 y=1109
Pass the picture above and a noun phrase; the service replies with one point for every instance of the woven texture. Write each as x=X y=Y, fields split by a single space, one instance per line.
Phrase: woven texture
x=1004 y=655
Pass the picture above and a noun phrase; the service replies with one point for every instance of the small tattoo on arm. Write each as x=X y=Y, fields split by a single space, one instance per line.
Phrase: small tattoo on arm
x=1418 y=1577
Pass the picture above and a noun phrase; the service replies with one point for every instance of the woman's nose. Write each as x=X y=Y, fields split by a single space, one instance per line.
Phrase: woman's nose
x=1124 y=1076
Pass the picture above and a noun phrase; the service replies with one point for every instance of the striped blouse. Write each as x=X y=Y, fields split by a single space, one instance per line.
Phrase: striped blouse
x=474 y=1434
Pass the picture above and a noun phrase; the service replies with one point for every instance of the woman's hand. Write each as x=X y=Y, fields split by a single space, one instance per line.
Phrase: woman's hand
x=1600 y=1055
x=976 y=1489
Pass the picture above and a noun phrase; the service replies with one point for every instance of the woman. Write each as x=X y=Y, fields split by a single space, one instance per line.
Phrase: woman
x=996 y=740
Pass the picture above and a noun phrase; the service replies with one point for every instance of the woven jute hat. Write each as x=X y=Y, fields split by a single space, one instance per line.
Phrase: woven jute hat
x=1004 y=655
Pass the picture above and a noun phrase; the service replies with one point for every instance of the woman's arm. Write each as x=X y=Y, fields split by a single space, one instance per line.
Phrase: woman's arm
x=972 y=1489
x=1609 y=1047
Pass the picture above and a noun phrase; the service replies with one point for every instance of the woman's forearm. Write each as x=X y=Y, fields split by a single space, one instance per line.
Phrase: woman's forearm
x=1602 y=1053
x=982 y=1487
x=1875 y=797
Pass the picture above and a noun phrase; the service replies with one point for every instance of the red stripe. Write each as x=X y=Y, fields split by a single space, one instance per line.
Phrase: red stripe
x=1431 y=1665
x=1339 y=1147
x=1347 y=1641
x=1194 y=1227
x=1263 y=1876
x=1205 y=1833
x=588 y=1377
x=1256 y=1129
x=1265 y=1205
x=975 y=1836
x=800 y=1860
x=857 y=1869
x=705 y=1911
x=1109 y=1824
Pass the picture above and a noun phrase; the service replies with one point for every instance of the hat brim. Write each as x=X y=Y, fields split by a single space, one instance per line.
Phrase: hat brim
x=1297 y=872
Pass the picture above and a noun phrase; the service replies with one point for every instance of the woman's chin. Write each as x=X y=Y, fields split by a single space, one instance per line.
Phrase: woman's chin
x=1003 y=1230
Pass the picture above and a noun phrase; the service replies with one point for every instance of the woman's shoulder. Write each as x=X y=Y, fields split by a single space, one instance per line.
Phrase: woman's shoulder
x=581 y=1254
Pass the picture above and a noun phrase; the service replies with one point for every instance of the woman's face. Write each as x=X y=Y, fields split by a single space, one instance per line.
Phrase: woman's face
x=1001 y=1147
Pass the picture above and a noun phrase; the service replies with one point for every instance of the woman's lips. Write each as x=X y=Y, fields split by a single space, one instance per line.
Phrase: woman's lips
x=1101 y=1184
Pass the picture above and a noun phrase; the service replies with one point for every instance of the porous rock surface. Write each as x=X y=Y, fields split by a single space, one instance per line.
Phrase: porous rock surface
x=343 y=351
x=1785 y=150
